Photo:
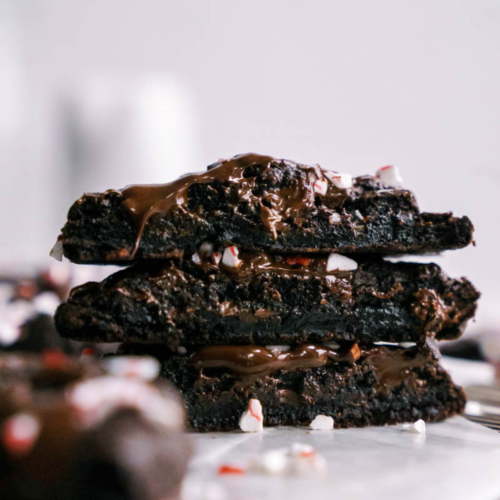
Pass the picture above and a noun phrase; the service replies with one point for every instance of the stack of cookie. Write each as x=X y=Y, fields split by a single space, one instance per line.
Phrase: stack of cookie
x=261 y=287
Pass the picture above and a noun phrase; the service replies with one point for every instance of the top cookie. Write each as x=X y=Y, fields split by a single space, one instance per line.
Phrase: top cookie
x=258 y=203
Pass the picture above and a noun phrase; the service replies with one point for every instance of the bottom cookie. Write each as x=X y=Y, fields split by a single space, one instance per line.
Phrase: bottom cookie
x=357 y=386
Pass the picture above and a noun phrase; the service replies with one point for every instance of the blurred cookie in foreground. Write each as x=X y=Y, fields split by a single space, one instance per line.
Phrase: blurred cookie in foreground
x=73 y=429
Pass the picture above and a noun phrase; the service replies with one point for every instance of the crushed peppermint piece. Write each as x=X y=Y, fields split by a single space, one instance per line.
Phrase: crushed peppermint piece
x=278 y=349
x=196 y=258
x=252 y=420
x=54 y=359
x=417 y=427
x=334 y=219
x=322 y=423
x=407 y=345
x=337 y=262
x=294 y=260
x=57 y=250
x=46 y=303
x=230 y=469
x=9 y=333
x=358 y=215
x=338 y=179
x=230 y=257
x=142 y=367
x=216 y=257
x=332 y=344
x=182 y=350
x=88 y=351
x=473 y=408
x=320 y=186
x=390 y=176
x=19 y=433
x=272 y=462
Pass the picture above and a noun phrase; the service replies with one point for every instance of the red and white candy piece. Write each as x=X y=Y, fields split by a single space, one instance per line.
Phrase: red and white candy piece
x=390 y=176
x=252 y=420
x=320 y=186
x=337 y=262
x=339 y=179
x=417 y=427
x=142 y=367
x=216 y=257
x=230 y=257
x=19 y=433
x=322 y=423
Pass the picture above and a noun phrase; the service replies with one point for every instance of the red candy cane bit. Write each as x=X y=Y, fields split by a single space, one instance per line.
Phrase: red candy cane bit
x=385 y=168
x=253 y=412
x=88 y=351
x=293 y=260
x=54 y=359
x=229 y=469
x=233 y=251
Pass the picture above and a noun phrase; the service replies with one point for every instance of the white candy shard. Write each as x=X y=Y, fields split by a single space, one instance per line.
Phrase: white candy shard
x=196 y=258
x=339 y=179
x=142 y=367
x=46 y=303
x=417 y=427
x=407 y=345
x=338 y=262
x=252 y=420
x=390 y=176
x=334 y=219
x=322 y=423
x=331 y=344
x=20 y=433
x=230 y=257
x=57 y=250
x=216 y=257
x=272 y=462
x=320 y=186
x=9 y=333
x=182 y=350
x=473 y=408
x=278 y=349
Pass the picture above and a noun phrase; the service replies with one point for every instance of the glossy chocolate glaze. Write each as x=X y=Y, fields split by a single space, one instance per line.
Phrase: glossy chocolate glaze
x=277 y=205
x=254 y=360
x=393 y=365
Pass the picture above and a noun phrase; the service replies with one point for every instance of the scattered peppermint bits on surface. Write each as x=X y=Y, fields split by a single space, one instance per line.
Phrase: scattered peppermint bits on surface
x=230 y=469
x=390 y=176
x=19 y=433
x=230 y=257
x=320 y=186
x=338 y=179
x=142 y=367
x=216 y=257
x=334 y=219
x=337 y=262
x=298 y=459
x=57 y=250
x=252 y=420
x=417 y=427
x=322 y=423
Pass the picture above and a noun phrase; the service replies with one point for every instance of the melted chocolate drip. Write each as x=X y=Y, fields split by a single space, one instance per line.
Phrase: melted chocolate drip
x=251 y=360
x=276 y=205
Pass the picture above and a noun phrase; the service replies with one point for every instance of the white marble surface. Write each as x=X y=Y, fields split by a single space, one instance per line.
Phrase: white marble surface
x=455 y=460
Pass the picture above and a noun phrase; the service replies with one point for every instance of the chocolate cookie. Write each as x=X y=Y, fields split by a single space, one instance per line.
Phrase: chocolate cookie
x=265 y=299
x=260 y=204
x=357 y=386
